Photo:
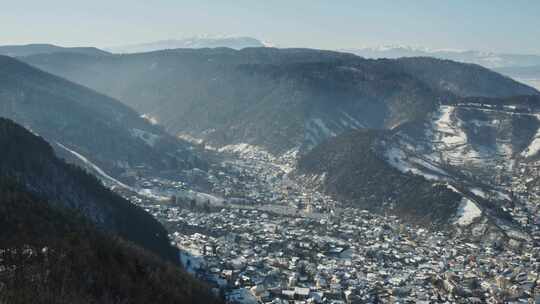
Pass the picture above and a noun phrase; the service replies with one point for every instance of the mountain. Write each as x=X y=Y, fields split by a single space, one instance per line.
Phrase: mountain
x=480 y=145
x=53 y=255
x=31 y=162
x=85 y=126
x=455 y=133
x=279 y=99
x=237 y=43
x=462 y=164
x=34 y=49
x=477 y=134
x=377 y=171
x=521 y=67
x=463 y=80
x=486 y=59
x=351 y=168
x=526 y=74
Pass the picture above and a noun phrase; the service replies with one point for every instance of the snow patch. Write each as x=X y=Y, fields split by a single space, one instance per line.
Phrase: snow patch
x=144 y=192
x=468 y=211
x=326 y=132
x=452 y=188
x=399 y=160
x=191 y=260
x=449 y=138
x=94 y=167
x=502 y=196
x=189 y=138
x=151 y=119
x=450 y=135
x=149 y=138
x=479 y=192
x=242 y=296
x=247 y=151
x=149 y=193
x=534 y=146
x=353 y=122
x=205 y=197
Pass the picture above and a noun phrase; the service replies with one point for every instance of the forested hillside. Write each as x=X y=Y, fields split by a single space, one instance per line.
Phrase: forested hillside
x=276 y=98
x=51 y=254
x=352 y=168
x=30 y=161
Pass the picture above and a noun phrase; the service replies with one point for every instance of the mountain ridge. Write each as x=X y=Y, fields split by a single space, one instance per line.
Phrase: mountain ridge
x=31 y=162
x=107 y=132
x=44 y=48
x=191 y=42
x=228 y=97
x=51 y=254
x=487 y=59
x=350 y=168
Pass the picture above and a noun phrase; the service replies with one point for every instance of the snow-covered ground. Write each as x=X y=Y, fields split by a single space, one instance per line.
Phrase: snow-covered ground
x=152 y=194
x=473 y=143
x=467 y=212
x=189 y=138
x=398 y=159
x=191 y=260
x=285 y=162
x=322 y=129
x=245 y=150
x=534 y=147
x=242 y=296
x=351 y=122
x=149 y=138
x=448 y=136
x=144 y=192
x=97 y=169
x=151 y=119
x=318 y=129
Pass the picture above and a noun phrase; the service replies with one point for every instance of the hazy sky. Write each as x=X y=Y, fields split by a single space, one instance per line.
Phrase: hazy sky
x=497 y=25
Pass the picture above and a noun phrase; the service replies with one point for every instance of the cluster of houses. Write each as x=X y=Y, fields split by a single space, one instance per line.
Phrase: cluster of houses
x=351 y=257
x=271 y=242
x=526 y=187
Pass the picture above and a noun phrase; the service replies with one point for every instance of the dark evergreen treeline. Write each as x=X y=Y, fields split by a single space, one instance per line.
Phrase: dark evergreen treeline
x=54 y=255
x=357 y=174
x=269 y=96
x=31 y=162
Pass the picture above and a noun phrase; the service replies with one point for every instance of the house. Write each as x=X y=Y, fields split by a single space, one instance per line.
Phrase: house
x=301 y=293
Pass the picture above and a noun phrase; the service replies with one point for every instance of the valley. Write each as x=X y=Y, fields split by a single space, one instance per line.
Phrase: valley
x=262 y=236
x=270 y=152
x=304 y=175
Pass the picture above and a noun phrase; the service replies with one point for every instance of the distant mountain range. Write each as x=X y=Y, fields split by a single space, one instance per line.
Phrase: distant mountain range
x=280 y=99
x=487 y=59
x=528 y=74
x=453 y=131
x=237 y=43
x=34 y=49
x=521 y=67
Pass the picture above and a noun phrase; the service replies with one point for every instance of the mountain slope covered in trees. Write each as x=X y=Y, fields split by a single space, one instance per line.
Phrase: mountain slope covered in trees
x=352 y=168
x=276 y=98
x=51 y=254
x=76 y=119
x=30 y=162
